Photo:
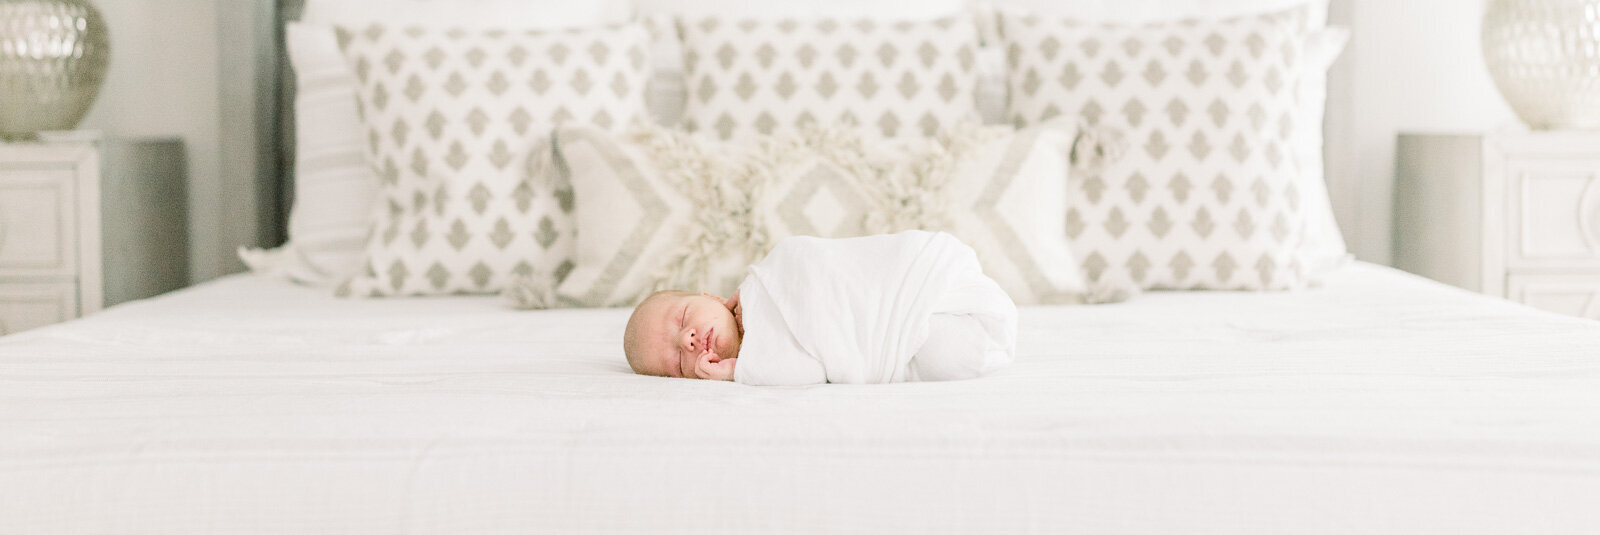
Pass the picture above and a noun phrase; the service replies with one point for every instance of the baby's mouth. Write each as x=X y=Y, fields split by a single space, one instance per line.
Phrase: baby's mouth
x=711 y=340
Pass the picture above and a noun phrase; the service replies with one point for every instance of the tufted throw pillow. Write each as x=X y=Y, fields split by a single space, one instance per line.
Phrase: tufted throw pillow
x=457 y=124
x=661 y=209
x=897 y=78
x=1206 y=196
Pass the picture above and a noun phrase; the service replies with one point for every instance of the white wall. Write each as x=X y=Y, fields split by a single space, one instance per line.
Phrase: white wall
x=163 y=82
x=1414 y=65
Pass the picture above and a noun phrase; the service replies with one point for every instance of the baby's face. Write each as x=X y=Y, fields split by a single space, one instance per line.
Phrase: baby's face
x=675 y=330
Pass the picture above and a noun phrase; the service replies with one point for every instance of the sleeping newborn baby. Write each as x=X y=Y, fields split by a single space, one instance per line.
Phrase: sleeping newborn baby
x=913 y=306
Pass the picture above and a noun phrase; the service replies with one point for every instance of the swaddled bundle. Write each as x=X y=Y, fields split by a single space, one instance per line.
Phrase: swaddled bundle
x=913 y=306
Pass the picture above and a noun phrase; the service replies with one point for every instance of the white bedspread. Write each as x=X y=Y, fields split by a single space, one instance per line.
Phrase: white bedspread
x=1381 y=403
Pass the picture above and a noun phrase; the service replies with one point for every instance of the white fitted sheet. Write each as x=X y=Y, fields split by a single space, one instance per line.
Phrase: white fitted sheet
x=1379 y=402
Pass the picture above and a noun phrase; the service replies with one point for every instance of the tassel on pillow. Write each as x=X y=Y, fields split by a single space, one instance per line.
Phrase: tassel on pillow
x=534 y=291
x=1096 y=147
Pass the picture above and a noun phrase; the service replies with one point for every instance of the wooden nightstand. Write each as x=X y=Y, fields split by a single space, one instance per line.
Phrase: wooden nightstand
x=88 y=223
x=1510 y=213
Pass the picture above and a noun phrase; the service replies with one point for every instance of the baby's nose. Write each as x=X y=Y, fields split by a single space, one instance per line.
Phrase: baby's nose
x=689 y=339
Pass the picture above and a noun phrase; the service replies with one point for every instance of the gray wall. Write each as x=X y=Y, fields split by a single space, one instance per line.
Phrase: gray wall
x=191 y=68
x=163 y=81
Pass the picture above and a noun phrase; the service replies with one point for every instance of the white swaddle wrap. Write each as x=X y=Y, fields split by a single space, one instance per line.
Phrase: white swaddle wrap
x=857 y=310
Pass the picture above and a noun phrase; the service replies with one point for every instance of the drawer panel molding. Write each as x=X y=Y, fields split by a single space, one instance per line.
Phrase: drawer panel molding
x=1512 y=213
x=1571 y=294
x=86 y=223
x=25 y=306
x=37 y=230
x=1555 y=207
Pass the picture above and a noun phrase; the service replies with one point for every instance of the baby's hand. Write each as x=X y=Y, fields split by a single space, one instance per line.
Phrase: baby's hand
x=710 y=366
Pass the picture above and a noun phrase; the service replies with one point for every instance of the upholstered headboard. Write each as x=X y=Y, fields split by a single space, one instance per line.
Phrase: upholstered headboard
x=283 y=126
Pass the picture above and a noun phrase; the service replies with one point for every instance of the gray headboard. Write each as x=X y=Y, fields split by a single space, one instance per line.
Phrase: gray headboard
x=283 y=121
x=256 y=115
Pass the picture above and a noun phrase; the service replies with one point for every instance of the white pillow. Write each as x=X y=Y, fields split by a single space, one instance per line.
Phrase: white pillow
x=896 y=78
x=334 y=189
x=667 y=91
x=1324 y=247
x=466 y=14
x=1145 y=11
x=1207 y=194
x=457 y=123
x=808 y=10
x=661 y=209
x=1000 y=190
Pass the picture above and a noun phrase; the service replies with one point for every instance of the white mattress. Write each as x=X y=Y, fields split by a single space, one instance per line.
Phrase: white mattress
x=1381 y=402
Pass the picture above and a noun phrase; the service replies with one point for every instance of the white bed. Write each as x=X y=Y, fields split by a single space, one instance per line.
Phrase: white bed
x=1379 y=403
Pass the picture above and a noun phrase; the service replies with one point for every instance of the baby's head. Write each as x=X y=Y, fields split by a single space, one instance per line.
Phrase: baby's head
x=674 y=333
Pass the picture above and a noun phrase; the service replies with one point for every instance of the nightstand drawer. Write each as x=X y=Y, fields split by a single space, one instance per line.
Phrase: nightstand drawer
x=38 y=226
x=1571 y=294
x=1554 y=211
x=24 y=306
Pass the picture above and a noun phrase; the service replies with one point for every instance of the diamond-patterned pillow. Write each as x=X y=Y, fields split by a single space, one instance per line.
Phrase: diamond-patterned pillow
x=457 y=126
x=1206 y=195
x=333 y=189
x=898 y=78
x=661 y=209
x=1000 y=190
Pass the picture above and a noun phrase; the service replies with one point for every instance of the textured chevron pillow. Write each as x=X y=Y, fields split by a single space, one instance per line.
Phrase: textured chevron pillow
x=1206 y=196
x=897 y=78
x=457 y=126
x=660 y=209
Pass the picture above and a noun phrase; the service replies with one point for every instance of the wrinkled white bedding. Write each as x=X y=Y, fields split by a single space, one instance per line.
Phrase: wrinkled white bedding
x=1381 y=402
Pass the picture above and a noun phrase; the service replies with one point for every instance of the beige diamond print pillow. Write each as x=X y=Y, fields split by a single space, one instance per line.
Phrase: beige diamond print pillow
x=661 y=209
x=457 y=130
x=897 y=79
x=658 y=211
x=1205 y=195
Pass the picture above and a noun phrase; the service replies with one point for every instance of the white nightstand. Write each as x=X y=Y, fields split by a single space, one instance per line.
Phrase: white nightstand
x=88 y=223
x=1511 y=213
